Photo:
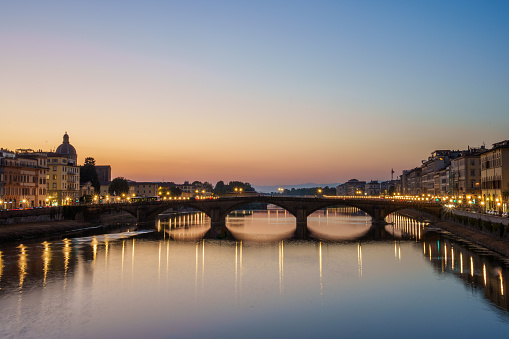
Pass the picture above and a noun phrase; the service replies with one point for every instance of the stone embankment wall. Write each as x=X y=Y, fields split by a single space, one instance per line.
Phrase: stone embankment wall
x=34 y=215
x=494 y=226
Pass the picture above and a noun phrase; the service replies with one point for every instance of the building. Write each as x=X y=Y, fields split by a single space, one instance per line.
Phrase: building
x=6 y=157
x=36 y=168
x=22 y=179
x=465 y=173
x=438 y=160
x=495 y=176
x=411 y=182
x=144 y=189
x=103 y=173
x=63 y=174
x=390 y=187
x=351 y=187
x=87 y=189
x=372 y=188
x=442 y=181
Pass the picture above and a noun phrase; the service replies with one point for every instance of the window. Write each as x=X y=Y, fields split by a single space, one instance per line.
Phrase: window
x=54 y=168
x=54 y=185
x=54 y=177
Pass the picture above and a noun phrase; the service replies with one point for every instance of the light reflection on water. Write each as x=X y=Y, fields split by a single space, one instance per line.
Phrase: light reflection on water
x=347 y=279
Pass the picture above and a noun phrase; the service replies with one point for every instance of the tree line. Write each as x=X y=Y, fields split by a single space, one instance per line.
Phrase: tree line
x=311 y=191
x=120 y=185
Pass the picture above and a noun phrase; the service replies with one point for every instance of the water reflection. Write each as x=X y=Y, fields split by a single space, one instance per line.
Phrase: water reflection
x=483 y=272
x=338 y=224
x=266 y=226
x=186 y=226
x=129 y=277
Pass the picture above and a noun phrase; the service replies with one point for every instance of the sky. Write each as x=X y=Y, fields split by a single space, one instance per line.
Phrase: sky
x=266 y=92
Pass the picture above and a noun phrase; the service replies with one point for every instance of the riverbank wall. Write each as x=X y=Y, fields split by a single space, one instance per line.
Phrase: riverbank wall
x=496 y=227
x=48 y=225
x=34 y=215
x=480 y=229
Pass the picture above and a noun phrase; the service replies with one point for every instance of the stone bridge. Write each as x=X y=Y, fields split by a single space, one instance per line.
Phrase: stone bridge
x=217 y=209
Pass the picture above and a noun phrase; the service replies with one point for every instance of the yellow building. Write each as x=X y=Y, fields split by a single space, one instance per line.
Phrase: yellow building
x=63 y=174
x=495 y=176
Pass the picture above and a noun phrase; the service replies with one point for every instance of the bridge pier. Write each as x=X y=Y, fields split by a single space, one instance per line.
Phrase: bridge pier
x=141 y=214
x=378 y=216
x=215 y=215
x=218 y=230
x=301 y=231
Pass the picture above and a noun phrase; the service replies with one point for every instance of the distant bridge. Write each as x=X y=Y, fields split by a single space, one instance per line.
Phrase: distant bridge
x=217 y=209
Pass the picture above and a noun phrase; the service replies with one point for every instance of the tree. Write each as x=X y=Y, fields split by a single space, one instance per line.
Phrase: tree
x=246 y=187
x=175 y=191
x=118 y=186
x=208 y=186
x=88 y=173
x=220 y=188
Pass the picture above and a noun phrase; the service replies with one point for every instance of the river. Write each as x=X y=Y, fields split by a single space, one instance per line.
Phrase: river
x=347 y=279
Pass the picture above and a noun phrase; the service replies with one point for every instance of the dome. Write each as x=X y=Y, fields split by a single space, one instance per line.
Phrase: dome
x=66 y=148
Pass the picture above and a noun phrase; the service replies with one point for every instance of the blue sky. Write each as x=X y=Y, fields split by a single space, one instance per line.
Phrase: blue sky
x=272 y=92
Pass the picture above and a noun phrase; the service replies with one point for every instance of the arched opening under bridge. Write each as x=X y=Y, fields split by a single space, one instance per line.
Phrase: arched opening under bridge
x=260 y=222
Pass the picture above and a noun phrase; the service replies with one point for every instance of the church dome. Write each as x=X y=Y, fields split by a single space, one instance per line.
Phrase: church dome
x=66 y=148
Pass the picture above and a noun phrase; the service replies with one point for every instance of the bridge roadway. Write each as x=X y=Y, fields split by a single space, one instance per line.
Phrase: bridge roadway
x=217 y=209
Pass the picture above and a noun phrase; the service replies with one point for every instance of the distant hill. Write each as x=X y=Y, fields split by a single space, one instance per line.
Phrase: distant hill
x=270 y=189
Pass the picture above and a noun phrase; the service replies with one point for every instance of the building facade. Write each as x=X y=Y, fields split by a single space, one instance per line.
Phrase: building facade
x=352 y=187
x=438 y=161
x=103 y=173
x=495 y=176
x=465 y=173
x=22 y=179
x=63 y=174
x=372 y=188
x=411 y=182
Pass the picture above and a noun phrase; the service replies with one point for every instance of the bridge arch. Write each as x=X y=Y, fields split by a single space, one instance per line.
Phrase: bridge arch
x=262 y=199
x=436 y=213
x=152 y=215
x=343 y=203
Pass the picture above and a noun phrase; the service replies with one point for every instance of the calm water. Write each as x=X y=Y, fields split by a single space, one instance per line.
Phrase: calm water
x=347 y=279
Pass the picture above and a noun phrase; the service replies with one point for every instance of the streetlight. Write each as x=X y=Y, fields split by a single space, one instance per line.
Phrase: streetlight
x=281 y=190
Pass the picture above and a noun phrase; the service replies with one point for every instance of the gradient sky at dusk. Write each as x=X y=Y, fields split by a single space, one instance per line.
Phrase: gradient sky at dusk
x=269 y=92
